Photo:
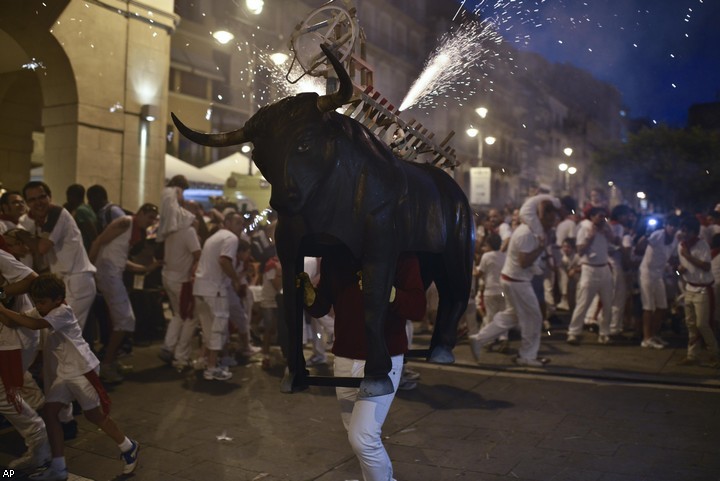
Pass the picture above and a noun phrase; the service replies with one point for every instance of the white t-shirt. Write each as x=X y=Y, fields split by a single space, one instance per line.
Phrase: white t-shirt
x=565 y=229
x=693 y=274
x=522 y=240
x=65 y=343
x=12 y=271
x=113 y=256
x=179 y=249
x=597 y=253
x=657 y=254
x=268 y=290
x=491 y=264
x=67 y=256
x=210 y=280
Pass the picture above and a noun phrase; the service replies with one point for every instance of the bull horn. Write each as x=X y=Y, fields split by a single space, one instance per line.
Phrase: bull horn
x=222 y=139
x=329 y=102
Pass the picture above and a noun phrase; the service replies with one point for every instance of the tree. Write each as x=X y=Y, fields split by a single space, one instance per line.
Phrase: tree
x=674 y=167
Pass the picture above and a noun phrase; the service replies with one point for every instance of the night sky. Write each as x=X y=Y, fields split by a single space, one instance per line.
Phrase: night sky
x=663 y=55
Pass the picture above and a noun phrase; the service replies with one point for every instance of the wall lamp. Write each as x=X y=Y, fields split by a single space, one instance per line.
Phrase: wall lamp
x=149 y=113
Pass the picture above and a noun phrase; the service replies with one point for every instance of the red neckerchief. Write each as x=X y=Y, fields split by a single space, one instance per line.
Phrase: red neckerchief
x=271 y=263
x=137 y=234
x=714 y=252
x=3 y=245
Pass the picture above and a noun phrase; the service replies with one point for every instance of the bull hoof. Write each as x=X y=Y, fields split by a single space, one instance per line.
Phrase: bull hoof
x=376 y=386
x=291 y=383
x=441 y=355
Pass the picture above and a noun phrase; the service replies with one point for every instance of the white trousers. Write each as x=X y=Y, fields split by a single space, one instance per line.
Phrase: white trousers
x=593 y=281
x=179 y=334
x=319 y=329
x=521 y=309
x=619 y=297
x=364 y=417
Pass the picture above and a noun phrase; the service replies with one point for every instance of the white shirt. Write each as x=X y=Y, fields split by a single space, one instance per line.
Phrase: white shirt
x=67 y=256
x=657 y=254
x=491 y=264
x=693 y=274
x=210 y=280
x=179 y=249
x=522 y=240
x=565 y=229
x=715 y=269
x=268 y=290
x=597 y=253
x=65 y=343
x=113 y=256
x=12 y=271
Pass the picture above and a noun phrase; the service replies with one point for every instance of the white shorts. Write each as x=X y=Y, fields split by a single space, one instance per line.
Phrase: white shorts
x=213 y=313
x=237 y=311
x=118 y=302
x=652 y=293
x=77 y=389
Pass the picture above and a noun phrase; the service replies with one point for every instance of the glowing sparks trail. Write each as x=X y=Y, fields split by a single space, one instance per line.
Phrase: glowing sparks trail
x=468 y=46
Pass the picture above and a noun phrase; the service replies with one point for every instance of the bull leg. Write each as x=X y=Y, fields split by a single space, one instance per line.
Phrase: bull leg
x=378 y=275
x=292 y=264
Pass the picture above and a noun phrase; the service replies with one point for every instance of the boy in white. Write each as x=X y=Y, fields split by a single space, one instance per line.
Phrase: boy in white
x=215 y=273
x=18 y=348
x=75 y=376
x=522 y=306
x=593 y=241
x=490 y=296
x=659 y=247
x=695 y=267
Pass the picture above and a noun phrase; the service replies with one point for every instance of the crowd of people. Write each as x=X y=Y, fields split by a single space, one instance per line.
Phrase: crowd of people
x=617 y=273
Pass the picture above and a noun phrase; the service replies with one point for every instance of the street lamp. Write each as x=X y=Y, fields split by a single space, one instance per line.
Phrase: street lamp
x=223 y=36
x=568 y=151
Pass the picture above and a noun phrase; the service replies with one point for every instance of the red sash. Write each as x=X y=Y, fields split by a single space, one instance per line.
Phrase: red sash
x=105 y=402
x=11 y=373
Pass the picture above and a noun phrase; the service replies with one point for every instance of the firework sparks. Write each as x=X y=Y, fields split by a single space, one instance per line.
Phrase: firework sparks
x=458 y=51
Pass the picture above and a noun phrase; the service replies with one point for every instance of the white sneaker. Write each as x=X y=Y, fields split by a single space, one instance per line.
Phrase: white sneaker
x=475 y=347
x=651 y=343
x=217 y=374
x=249 y=352
x=573 y=340
x=50 y=474
x=32 y=459
x=602 y=339
x=661 y=341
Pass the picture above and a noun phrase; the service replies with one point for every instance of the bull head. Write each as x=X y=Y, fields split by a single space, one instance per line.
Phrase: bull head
x=290 y=138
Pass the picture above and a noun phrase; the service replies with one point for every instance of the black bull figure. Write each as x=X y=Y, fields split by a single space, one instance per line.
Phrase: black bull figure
x=333 y=181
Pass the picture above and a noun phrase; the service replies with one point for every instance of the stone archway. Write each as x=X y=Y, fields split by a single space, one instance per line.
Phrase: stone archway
x=98 y=66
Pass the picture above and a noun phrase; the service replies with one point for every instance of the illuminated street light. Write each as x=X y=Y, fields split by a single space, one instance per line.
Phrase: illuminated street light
x=641 y=195
x=255 y=6
x=472 y=132
x=610 y=183
x=490 y=140
x=571 y=170
x=563 y=167
x=223 y=36
x=279 y=58
x=568 y=151
x=481 y=111
x=245 y=149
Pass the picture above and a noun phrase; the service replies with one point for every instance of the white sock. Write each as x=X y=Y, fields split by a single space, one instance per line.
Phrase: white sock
x=125 y=445
x=58 y=464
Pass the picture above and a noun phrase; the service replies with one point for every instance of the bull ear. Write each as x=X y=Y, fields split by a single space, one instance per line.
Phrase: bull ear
x=329 y=102
x=222 y=139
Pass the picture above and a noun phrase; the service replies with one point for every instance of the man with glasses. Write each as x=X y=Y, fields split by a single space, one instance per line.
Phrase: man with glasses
x=57 y=246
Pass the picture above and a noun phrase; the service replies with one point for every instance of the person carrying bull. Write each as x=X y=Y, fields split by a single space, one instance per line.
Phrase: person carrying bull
x=340 y=288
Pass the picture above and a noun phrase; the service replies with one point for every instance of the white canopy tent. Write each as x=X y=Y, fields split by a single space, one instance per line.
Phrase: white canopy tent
x=175 y=166
x=237 y=163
